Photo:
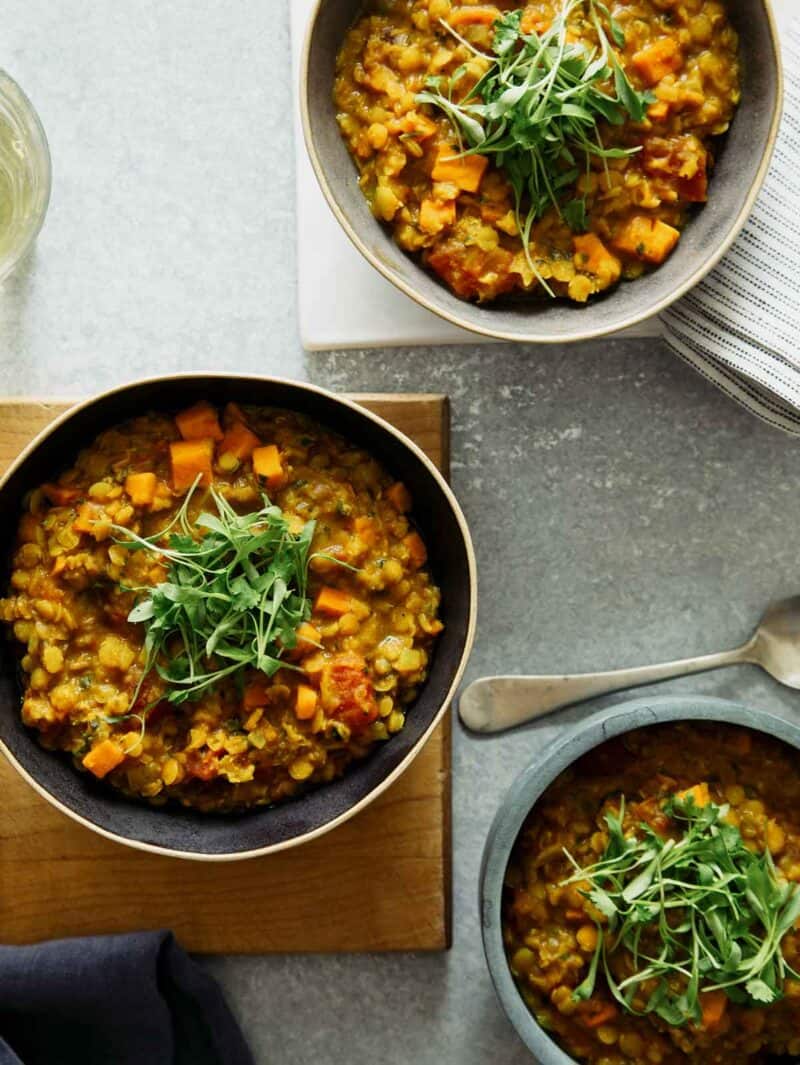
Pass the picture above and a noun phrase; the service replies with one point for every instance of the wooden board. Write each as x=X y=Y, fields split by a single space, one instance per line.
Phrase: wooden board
x=379 y=882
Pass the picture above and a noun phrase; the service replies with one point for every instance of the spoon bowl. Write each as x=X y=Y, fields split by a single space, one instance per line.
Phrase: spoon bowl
x=494 y=704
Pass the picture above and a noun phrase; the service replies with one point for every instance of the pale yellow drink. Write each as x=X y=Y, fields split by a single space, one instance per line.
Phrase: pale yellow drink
x=24 y=174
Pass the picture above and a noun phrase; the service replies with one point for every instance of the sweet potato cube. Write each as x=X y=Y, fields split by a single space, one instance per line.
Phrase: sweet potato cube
x=593 y=257
x=417 y=553
x=238 y=442
x=256 y=693
x=267 y=465
x=399 y=496
x=700 y=794
x=649 y=239
x=104 y=757
x=658 y=59
x=465 y=171
x=88 y=515
x=713 y=1005
x=306 y=702
x=141 y=487
x=190 y=459
x=332 y=602
x=199 y=422
x=232 y=413
x=366 y=530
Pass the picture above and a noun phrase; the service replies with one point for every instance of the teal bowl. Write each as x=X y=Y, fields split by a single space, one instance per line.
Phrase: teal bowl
x=528 y=788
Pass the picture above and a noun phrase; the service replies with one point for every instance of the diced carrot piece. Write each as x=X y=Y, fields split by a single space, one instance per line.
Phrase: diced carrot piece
x=658 y=111
x=59 y=495
x=333 y=602
x=366 y=530
x=88 y=515
x=593 y=257
x=306 y=704
x=199 y=422
x=59 y=566
x=238 y=442
x=700 y=794
x=713 y=1005
x=435 y=216
x=190 y=459
x=104 y=757
x=647 y=238
x=466 y=171
x=658 y=59
x=141 y=487
x=255 y=694
x=399 y=496
x=417 y=552
x=474 y=16
x=267 y=465
x=607 y=1011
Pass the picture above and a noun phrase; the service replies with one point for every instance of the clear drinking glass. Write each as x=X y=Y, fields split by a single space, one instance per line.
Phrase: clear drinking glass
x=25 y=174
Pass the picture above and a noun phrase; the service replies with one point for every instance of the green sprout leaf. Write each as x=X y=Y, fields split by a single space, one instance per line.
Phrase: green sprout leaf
x=711 y=912
x=536 y=111
x=233 y=597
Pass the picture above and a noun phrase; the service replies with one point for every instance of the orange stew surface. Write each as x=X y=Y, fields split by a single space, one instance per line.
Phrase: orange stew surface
x=458 y=215
x=360 y=657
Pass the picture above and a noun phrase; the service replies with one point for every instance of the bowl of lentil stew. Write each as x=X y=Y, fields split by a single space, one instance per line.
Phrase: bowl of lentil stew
x=729 y=772
x=141 y=438
x=448 y=233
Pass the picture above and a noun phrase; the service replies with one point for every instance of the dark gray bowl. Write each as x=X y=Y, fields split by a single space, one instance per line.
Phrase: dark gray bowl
x=527 y=789
x=172 y=829
x=738 y=176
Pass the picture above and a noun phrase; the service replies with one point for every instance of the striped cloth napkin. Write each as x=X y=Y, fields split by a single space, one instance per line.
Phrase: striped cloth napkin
x=740 y=333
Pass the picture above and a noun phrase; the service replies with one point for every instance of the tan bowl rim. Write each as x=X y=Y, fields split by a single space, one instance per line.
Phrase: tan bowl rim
x=446 y=700
x=533 y=336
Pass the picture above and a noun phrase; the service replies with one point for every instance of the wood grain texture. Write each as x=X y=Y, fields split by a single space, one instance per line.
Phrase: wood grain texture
x=379 y=882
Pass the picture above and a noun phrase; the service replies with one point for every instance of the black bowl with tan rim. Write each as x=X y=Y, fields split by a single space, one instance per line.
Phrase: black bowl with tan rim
x=186 y=833
x=739 y=173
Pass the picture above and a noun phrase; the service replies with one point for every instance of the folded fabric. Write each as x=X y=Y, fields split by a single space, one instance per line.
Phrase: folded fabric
x=740 y=326
x=113 y=1000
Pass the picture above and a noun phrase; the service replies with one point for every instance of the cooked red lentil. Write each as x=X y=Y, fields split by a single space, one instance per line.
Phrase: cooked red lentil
x=551 y=929
x=359 y=657
x=458 y=213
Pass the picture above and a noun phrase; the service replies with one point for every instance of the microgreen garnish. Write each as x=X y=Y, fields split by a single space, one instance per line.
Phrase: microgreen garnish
x=232 y=599
x=537 y=110
x=696 y=913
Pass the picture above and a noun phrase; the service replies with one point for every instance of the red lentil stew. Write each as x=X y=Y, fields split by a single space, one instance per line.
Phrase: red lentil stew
x=552 y=148
x=221 y=608
x=651 y=911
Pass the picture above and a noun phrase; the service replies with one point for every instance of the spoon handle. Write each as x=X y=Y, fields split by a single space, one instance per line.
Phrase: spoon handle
x=493 y=704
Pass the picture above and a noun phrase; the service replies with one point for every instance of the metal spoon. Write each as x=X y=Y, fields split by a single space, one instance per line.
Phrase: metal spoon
x=493 y=704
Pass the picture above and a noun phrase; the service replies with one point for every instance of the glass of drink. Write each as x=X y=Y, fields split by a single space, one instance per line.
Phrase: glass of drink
x=25 y=174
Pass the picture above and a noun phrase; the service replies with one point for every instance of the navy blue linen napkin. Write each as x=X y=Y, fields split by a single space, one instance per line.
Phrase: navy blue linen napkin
x=113 y=1000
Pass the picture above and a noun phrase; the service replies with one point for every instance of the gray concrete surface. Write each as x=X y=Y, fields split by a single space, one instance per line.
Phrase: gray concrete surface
x=623 y=510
